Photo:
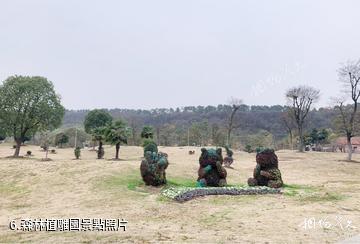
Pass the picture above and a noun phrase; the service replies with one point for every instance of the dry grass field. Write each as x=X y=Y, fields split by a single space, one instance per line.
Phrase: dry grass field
x=319 y=185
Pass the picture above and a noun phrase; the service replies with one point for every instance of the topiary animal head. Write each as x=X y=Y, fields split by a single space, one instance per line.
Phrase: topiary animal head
x=266 y=158
x=210 y=156
x=150 y=146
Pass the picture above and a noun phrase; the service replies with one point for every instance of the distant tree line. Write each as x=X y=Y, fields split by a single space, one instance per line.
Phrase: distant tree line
x=30 y=109
x=209 y=125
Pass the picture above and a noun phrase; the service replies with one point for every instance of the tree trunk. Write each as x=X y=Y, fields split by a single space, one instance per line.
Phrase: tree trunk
x=231 y=125
x=117 y=150
x=350 y=150
x=228 y=137
x=301 y=138
x=100 y=148
x=291 y=140
x=17 y=149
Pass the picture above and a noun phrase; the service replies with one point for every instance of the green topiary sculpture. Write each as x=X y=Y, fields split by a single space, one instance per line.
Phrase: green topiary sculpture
x=266 y=172
x=153 y=165
x=77 y=152
x=211 y=171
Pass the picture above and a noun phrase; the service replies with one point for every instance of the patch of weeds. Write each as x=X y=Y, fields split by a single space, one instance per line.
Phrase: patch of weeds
x=299 y=187
x=11 y=188
x=305 y=193
x=295 y=190
x=130 y=181
x=320 y=197
x=134 y=183
x=291 y=193
x=176 y=181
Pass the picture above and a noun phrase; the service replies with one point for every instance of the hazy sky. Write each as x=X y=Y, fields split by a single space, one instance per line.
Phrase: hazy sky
x=150 y=53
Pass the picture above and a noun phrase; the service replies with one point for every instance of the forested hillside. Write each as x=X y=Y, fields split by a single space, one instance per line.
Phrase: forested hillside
x=207 y=125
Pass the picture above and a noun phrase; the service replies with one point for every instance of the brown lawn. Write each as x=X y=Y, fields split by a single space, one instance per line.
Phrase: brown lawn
x=320 y=186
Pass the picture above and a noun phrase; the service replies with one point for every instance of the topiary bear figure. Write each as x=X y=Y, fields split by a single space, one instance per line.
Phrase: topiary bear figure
x=211 y=171
x=153 y=166
x=266 y=172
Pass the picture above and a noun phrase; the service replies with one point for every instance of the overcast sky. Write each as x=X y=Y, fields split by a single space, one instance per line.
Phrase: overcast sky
x=148 y=54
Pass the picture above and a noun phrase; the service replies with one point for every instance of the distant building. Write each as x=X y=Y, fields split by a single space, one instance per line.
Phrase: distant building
x=341 y=144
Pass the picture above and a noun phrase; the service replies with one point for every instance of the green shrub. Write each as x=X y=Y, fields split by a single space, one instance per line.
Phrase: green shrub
x=77 y=152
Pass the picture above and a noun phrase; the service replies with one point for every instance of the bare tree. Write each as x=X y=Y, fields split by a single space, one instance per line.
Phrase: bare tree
x=349 y=76
x=289 y=124
x=301 y=98
x=235 y=103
